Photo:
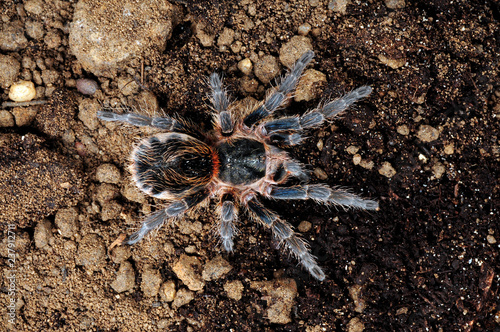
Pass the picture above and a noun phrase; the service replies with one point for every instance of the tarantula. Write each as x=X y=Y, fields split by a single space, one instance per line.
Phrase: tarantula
x=236 y=163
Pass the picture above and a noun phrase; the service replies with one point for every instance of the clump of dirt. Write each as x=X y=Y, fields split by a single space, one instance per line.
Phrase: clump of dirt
x=424 y=144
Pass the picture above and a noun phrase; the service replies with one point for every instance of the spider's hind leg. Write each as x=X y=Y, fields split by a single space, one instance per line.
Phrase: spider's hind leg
x=227 y=229
x=285 y=234
x=158 y=218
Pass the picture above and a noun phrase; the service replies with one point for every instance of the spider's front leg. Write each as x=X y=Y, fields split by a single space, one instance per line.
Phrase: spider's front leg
x=285 y=234
x=278 y=130
x=220 y=102
x=286 y=87
x=166 y=123
x=322 y=193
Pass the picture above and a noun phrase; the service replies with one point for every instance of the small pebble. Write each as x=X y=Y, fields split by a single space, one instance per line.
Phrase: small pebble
x=186 y=270
x=67 y=221
x=387 y=170
x=304 y=29
x=24 y=115
x=395 y=4
x=125 y=278
x=22 y=91
x=91 y=252
x=245 y=66
x=168 y=291
x=491 y=239
x=234 y=289
x=352 y=149
x=438 y=170
x=338 y=6
x=292 y=51
x=403 y=130
x=6 y=119
x=216 y=269
x=182 y=297
x=266 y=68
x=9 y=67
x=86 y=86
x=108 y=173
x=310 y=85
x=356 y=159
x=304 y=226
x=151 y=282
x=43 y=234
x=320 y=174
x=427 y=133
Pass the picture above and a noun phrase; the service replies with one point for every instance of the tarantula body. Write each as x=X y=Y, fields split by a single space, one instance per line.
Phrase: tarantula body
x=236 y=163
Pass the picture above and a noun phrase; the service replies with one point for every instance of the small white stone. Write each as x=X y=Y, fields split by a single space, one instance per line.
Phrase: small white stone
x=245 y=66
x=22 y=91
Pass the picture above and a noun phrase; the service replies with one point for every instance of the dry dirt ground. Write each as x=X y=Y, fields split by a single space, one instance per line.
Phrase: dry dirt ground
x=425 y=144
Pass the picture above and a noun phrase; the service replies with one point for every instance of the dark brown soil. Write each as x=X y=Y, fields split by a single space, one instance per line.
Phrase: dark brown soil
x=428 y=260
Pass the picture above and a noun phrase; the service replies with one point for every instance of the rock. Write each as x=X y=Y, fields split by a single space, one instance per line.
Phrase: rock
x=182 y=297
x=87 y=110
x=151 y=282
x=168 y=291
x=310 y=85
x=280 y=295
x=22 y=91
x=6 y=119
x=266 y=68
x=86 y=86
x=91 y=253
x=108 y=173
x=216 y=268
x=9 y=67
x=245 y=66
x=106 y=37
x=67 y=221
x=427 y=133
x=24 y=115
x=387 y=170
x=187 y=270
x=125 y=278
x=12 y=37
x=293 y=50
x=234 y=289
x=43 y=234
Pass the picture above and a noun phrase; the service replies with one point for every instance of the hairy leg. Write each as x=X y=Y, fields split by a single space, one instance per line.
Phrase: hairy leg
x=322 y=193
x=285 y=234
x=227 y=229
x=158 y=218
x=165 y=122
x=221 y=103
x=276 y=99
x=315 y=118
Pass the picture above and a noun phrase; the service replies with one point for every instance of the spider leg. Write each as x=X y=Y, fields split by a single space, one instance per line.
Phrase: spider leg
x=228 y=216
x=221 y=103
x=166 y=122
x=324 y=194
x=285 y=234
x=277 y=98
x=158 y=218
x=311 y=119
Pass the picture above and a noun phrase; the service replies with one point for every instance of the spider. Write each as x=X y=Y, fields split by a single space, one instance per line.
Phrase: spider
x=237 y=163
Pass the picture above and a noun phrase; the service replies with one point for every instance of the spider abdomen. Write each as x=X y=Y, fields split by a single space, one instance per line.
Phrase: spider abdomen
x=172 y=165
x=242 y=161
